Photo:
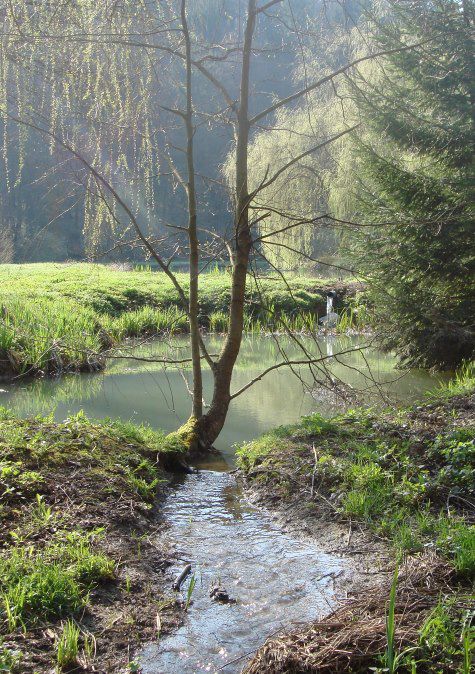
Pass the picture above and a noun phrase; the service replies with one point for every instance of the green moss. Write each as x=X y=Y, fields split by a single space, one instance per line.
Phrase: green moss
x=184 y=440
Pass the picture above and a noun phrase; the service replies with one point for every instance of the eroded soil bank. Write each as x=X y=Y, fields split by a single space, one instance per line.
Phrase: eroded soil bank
x=82 y=570
x=402 y=481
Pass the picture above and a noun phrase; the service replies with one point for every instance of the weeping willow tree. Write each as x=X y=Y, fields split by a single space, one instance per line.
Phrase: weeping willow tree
x=71 y=72
x=298 y=228
x=298 y=195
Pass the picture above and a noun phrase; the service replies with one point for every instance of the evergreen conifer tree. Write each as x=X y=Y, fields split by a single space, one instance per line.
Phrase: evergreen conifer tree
x=414 y=182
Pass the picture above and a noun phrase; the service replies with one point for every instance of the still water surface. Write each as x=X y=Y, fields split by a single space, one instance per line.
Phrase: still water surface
x=147 y=392
x=276 y=579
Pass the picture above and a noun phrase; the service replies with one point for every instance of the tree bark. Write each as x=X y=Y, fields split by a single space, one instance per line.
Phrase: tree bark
x=197 y=405
x=211 y=423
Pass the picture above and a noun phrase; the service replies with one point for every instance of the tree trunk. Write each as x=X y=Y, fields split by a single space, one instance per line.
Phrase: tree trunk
x=197 y=407
x=210 y=425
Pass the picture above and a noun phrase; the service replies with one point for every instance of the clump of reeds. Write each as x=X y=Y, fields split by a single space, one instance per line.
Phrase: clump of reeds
x=46 y=336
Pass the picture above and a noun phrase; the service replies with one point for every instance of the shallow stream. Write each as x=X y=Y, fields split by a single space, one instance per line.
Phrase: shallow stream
x=276 y=579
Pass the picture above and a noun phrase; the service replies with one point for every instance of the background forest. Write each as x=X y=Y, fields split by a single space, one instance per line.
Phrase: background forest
x=41 y=223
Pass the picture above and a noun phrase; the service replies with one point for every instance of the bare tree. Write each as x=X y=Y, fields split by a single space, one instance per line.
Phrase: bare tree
x=244 y=240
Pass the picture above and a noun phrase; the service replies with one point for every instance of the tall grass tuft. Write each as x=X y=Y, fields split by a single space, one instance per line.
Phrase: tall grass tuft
x=218 y=321
x=145 y=321
x=190 y=591
x=390 y=653
x=67 y=648
x=50 y=582
x=49 y=337
x=468 y=643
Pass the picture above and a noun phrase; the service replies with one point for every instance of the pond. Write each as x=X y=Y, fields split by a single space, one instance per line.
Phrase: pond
x=276 y=579
x=147 y=392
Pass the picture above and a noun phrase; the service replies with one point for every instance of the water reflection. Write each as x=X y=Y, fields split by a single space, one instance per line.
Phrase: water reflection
x=149 y=392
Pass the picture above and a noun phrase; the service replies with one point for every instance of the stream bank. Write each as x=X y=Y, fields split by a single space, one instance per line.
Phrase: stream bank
x=82 y=565
x=59 y=318
x=203 y=518
x=403 y=479
x=93 y=532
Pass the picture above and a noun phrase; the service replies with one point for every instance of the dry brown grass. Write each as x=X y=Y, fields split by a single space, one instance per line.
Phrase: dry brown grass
x=351 y=638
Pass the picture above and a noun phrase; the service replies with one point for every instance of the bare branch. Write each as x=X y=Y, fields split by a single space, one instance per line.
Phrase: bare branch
x=296 y=159
x=268 y=5
x=324 y=80
x=285 y=363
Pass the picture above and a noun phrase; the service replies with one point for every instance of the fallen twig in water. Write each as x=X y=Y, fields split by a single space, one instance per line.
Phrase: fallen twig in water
x=181 y=577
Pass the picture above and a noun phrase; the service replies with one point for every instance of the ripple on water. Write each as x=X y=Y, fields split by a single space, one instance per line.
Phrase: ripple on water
x=273 y=576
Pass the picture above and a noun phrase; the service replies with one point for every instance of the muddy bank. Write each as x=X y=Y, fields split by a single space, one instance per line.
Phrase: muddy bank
x=400 y=483
x=80 y=545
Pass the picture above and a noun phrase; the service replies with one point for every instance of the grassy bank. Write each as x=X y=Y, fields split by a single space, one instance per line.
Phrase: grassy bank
x=80 y=583
x=407 y=477
x=56 y=317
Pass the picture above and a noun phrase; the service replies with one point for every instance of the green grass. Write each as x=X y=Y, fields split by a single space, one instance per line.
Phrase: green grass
x=67 y=648
x=446 y=637
x=407 y=489
x=43 y=335
x=462 y=383
x=390 y=655
x=45 y=582
x=55 y=317
x=120 y=457
x=119 y=451
x=9 y=659
x=63 y=488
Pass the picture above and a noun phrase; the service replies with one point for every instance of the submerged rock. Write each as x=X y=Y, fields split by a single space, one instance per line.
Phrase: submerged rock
x=218 y=593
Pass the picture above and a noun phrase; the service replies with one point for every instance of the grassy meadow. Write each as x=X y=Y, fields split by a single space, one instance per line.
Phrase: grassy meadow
x=56 y=317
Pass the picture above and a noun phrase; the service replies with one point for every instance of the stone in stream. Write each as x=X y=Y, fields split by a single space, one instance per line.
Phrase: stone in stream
x=218 y=593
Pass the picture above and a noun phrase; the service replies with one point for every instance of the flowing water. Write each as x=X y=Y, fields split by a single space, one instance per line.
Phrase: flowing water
x=276 y=579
